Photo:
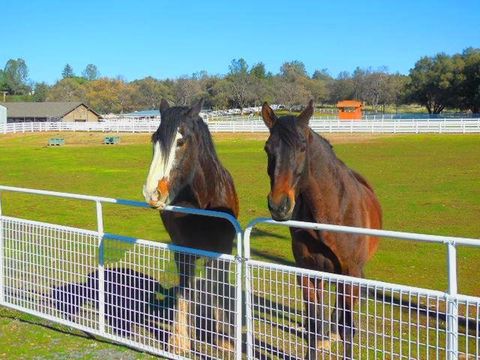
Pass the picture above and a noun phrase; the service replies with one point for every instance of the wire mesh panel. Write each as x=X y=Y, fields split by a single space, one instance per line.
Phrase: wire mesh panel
x=468 y=327
x=301 y=314
x=171 y=300
x=48 y=269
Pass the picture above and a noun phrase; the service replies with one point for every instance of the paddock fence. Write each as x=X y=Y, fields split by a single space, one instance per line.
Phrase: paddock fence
x=392 y=321
x=254 y=125
x=126 y=289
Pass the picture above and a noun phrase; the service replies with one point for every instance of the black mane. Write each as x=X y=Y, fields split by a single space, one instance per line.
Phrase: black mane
x=172 y=118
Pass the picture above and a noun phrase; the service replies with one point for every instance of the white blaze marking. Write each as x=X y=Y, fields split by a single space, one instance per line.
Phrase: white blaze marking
x=159 y=168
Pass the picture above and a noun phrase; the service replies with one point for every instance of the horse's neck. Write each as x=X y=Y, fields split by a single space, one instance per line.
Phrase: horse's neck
x=212 y=186
x=321 y=187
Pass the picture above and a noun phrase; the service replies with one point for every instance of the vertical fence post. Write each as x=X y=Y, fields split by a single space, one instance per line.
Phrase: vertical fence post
x=452 y=305
x=238 y=295
x=248 y=292
x=2 y=253
x=101 y=272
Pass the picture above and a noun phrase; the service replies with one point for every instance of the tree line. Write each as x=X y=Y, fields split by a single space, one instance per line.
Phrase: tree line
x=436 y=82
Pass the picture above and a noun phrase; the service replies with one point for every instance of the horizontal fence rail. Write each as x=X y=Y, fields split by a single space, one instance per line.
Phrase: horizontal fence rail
x=126 y=289
x=232 y=125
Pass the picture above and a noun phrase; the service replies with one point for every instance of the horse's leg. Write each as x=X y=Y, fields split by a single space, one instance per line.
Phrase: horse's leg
x=347 y=296
x=314 y=332
x=218 y=274
x=328 y=326
x=179 y=341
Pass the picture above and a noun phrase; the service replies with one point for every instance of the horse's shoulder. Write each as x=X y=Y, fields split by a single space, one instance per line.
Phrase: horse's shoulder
x=361 y=180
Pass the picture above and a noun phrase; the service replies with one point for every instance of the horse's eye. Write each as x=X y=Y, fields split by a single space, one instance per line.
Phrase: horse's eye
x=180 y=142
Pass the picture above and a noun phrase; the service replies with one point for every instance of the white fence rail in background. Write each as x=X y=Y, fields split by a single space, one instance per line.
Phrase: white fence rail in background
x=232 y=125
x=123 y=289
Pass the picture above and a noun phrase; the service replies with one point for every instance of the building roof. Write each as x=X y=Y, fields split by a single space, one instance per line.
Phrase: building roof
x=145 y=113
x=49 y=109
x=349 y=103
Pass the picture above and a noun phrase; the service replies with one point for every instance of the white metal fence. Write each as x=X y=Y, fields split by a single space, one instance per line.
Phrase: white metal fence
x=392 y=321
x=231 y=124
x=126 y=289
x=122 y=288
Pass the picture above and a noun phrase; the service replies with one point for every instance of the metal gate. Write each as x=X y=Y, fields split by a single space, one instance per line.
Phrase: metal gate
x=122 y=288
x=391 y=321
x=126 y=289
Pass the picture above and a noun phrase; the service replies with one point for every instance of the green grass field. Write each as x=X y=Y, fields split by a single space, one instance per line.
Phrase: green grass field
x=425 y=183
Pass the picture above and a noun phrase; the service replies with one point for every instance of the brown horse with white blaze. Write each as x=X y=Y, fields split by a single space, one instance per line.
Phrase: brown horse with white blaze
x=185 y=171
x=309 y=183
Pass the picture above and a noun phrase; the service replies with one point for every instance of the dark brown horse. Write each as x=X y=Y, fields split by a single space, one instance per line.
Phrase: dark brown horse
x=186 y=171
x=309 y=183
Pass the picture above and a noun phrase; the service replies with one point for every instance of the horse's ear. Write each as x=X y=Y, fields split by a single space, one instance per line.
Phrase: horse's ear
x=196 y=108
x=306 y=114
x=268 y=115
x=163 y=106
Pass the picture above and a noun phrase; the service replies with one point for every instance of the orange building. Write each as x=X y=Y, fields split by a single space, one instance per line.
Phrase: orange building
x=349 y=110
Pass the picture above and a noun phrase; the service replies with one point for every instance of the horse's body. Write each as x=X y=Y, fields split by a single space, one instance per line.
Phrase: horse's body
x=186 y=171
x=309 y=183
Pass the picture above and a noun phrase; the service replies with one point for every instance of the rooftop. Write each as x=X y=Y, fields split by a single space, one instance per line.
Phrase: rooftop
x=48 y=109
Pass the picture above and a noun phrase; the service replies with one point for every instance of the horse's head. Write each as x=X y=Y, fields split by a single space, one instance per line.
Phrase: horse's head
x=286 y=150
x=174 y=154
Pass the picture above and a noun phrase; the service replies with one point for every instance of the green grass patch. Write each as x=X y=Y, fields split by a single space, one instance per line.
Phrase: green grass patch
x=425 y=183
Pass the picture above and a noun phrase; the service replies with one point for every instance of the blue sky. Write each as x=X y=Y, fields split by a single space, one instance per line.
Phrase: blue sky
x=164 y=39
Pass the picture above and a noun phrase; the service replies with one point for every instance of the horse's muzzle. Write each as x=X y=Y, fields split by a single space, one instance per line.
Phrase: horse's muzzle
x=282 y=210
x=154 y=199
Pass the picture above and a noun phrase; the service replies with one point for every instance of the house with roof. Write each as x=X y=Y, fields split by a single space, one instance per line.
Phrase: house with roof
x=49 y=111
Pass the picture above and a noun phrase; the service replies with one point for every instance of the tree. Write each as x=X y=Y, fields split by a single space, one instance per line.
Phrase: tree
x=90 y=72
x=374 y=87
x=3 y=84
x=342 y=88
x=259 y=83
x=470 y=87
x=108 y=95
x=258 y=71
x=40 y=92
x=321 y=75
x=293 y=70
x=291 y=93
x=15 y=77
x=292 y=85
x=435 y=82
x=67 y=72
x=185 y=90
x=68 y=89
x=149 y=92
x=239 y=84
x=220 y=90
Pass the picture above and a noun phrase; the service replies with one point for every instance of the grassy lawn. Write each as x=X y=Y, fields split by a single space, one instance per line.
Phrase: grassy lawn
x=425 y=183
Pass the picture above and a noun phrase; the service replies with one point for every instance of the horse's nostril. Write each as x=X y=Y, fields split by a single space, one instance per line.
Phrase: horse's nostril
x=281 y=208
x=285 y=204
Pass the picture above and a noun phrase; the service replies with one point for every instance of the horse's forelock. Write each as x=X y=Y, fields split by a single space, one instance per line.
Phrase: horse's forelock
x=171 y=120
x=287 y=130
